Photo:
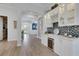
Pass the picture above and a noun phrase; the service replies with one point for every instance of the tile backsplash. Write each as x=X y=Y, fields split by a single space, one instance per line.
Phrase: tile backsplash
x=70 y=30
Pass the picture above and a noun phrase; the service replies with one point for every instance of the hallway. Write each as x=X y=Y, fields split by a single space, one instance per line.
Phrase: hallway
x=30 y=47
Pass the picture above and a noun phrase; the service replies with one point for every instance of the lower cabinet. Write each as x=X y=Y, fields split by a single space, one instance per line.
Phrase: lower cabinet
x=67 y=47
x=63 y=47
x=58 y=46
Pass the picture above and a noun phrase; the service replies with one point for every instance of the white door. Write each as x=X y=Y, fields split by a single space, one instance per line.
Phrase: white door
x=1 y=28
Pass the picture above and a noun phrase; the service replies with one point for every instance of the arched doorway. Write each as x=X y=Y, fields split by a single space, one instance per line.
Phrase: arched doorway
x=27 y=30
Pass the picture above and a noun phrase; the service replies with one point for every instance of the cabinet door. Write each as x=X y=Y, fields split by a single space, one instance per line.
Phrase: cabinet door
x=58 y=46
x=68 y=47
x=70 y=14
x=61 y=14
x=67 y=14
x=53 y=14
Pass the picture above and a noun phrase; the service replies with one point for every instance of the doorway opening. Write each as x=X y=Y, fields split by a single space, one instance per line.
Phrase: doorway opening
x=25 y=29
x=3 y=28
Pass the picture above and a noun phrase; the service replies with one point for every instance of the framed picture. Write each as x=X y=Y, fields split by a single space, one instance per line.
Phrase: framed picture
x=34 y=26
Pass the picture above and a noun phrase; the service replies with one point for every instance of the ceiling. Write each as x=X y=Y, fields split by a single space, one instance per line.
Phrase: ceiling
x=34 y=8
x=28 y=9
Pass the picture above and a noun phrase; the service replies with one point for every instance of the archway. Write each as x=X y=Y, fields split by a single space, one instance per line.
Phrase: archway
x=27 y=22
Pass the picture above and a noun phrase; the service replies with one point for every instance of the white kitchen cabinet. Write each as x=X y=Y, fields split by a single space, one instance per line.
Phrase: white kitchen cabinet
x=68 y=14
x=48 y=21
x=53 y=15
x=61 y=15
x=67 y=47
x=63 y=46
x=71 y=14
x=76 y=47
x=58 y=46
x=44 y=40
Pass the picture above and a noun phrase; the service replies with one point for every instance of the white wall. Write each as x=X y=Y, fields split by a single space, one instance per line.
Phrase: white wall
x=12 y=15
x=1 y=28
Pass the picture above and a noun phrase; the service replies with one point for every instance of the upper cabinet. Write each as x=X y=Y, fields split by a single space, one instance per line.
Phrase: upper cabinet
x=70 y=14
x=61 y=15
x=53 y=15
x=67 y=14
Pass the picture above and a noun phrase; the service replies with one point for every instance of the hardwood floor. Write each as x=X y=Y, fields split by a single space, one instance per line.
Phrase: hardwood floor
x=30 y=47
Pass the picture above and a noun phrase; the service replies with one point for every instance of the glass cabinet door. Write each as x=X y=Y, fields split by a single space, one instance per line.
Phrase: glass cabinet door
x=71 y=14
x=61 y=14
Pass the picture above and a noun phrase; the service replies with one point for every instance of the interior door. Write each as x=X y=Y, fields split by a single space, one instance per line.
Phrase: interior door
x=1 y=28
